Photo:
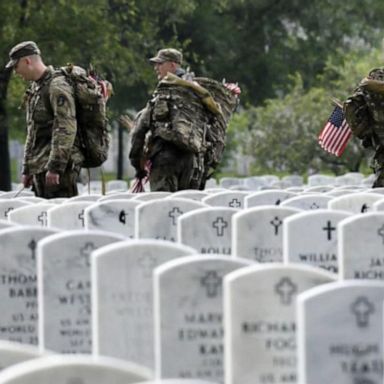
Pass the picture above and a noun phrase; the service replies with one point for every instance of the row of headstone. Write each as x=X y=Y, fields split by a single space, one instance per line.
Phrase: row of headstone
x=188 y=311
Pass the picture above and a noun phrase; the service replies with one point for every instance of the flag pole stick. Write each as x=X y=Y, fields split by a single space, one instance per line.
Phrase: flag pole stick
x=19 y=191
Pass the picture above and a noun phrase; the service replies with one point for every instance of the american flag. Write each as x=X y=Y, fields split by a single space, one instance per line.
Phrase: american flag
x=336 y=133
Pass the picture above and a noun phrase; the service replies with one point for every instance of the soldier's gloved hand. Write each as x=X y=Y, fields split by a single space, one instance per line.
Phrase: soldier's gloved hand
x=141 y=173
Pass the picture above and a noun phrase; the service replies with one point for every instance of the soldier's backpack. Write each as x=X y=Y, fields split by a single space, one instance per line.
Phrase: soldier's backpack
x=363 y=110
x=91 y=98
x=193 y=115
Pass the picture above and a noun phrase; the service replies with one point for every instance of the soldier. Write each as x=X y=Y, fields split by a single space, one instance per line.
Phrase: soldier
x=51 y=153
x=365 y=116
x=171 y=167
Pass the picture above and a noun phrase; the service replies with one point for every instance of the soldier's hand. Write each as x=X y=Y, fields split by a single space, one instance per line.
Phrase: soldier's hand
x=26 y=180
x=233 y=87
x=52 y=178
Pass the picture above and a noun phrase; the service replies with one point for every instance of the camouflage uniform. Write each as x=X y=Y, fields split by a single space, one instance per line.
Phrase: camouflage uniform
x=364 y=112
x=172 y=168
x=51 y=143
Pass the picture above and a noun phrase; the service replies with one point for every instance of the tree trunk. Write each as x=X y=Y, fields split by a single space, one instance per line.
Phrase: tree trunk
x=5 y=169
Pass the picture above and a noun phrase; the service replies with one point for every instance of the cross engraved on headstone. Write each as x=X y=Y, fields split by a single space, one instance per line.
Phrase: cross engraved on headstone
x=362 y=308
x=220 y=224
x=80 y=216
x=276 y=222
x=7 y=211
x=380 y=232
x=314 y=206
x=85 y=252
x=147 y=262
x=234 y=203
x=364 y=208
x=174 y=214
x=212 y=282
x=122 y=217
x=32 y=246
x=285 y=288
x=329 y=230
x=43 y=218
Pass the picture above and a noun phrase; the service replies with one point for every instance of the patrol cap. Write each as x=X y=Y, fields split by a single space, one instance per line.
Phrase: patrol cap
x=167 y=54
x=25 y=48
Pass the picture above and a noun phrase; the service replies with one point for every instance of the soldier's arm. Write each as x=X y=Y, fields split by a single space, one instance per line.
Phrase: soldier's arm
x=64 y=128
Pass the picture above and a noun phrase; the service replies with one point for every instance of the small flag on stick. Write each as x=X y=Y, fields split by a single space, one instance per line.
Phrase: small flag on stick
x=336 y=133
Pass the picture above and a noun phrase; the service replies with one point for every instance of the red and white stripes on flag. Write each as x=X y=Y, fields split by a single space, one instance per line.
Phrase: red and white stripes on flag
x=336 y=133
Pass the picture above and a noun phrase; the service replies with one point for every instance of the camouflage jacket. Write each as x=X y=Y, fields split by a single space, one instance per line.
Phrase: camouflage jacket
x=51 y=142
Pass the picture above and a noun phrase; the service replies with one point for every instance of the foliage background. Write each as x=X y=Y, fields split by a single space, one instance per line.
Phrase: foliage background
x=290 y=58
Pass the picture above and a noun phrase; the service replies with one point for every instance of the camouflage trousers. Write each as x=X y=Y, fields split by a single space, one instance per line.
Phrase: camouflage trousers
x=173 y=171
x=66 y=188
x=377 y=164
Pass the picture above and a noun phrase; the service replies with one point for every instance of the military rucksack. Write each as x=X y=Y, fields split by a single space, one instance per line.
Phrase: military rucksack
x=364 y=110
x=91 y=98
x=193 y=115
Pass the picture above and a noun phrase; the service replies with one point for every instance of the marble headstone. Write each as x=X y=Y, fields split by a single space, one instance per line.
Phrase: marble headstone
x=123 y=305
x=84 y=369
x=117 y=216
x=157 y=219
x=260 y=321
x=209 y=230
x=257 y=233
x=311 y=237
x=361 y=246
x=340 y=333
x=18 y=283
x=64 y=288
x=189 y=316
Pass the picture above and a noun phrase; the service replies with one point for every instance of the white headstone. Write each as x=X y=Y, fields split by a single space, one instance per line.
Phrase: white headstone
x=229 y=199
x=148 y=196
x=122 y=297
x=189 y=316
x=84 y=369
x=157 y=219
x=34 y=214
x=13 y=353
x=117 y=216
x=359 y=202
x=312 y=238
x=67 y=216
x=271 y=197
x=226 y=182
x=6 y=224
x=314 y=180
x=209 y=230
x=260 y=321
x=64 y=289
x=189 y=194
x=18 y=282
x=340 y=333
x=361 y=246
x=378 y=205
x=85 y=197
x=257 y=233
x=307 y=202
x=117 y=196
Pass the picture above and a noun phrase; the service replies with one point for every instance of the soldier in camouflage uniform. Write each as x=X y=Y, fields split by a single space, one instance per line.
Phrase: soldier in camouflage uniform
x=51 y=153
x=172 y=168
x=364 y=112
